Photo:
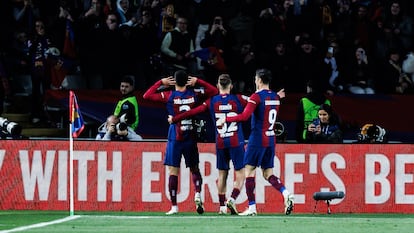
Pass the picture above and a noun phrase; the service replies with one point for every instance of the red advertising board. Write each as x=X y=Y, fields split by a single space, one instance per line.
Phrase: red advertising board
x=130 y=176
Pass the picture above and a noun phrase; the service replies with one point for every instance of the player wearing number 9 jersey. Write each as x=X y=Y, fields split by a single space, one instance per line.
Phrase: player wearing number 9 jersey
x=181 y=136
x=262 y=107
x=229 y=138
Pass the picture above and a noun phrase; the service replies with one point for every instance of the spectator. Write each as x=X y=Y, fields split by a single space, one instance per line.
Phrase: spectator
x=168 y=18
x=392 y=79
x=126 y=15
x=283 y=15
x=110 y=52
x=266 y=31
x=362 y=29
x=280 y=64
x=308 y=109
x=89 y=25
x=18 y=56
x=243 y=67
x=229 y=139
x=262 y=107
x=326 y=128
x=146 y=50
x=181 y=136
x=25 y=13
x=127 y=108
x=218 y=37
x=242 y=26
x=398 y=27
x=176 y=48
x=38 y=44
x=343 y=19
x=360 y=74
x=307 y=64
x=114 y=130
x=331 y=72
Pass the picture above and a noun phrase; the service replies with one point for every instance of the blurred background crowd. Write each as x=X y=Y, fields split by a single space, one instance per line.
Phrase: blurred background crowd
x=343 y=46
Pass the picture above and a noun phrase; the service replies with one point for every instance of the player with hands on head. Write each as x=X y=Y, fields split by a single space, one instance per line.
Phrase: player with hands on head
x=229 y=138
x=181 y=135
x=262 y=107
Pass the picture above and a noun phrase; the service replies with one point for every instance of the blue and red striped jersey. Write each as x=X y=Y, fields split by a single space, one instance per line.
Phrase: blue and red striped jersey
x=230 y=134
x=263 y=107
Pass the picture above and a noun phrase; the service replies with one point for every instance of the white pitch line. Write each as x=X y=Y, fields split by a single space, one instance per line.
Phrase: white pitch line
x=42 y=224
x=321 y=218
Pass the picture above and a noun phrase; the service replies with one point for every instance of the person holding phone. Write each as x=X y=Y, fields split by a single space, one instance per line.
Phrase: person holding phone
x=325 y=128
x=219 y=40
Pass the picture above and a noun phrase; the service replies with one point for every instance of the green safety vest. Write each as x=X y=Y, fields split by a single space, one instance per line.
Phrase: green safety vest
x=310 y=110
x=134 y=102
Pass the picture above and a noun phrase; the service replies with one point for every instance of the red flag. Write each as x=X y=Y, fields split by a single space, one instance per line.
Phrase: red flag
x=69 y=49
x=75 y=116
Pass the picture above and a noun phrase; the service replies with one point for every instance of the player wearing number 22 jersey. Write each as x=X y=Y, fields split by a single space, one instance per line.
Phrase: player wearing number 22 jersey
x=222 y=105
x=229 y=138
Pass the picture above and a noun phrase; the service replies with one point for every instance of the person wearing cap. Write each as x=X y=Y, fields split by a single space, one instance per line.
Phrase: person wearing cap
x=127 y=107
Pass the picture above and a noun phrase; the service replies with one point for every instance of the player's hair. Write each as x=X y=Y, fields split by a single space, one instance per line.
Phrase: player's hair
x=224 y=80
x=181 y=78
x=265 y=75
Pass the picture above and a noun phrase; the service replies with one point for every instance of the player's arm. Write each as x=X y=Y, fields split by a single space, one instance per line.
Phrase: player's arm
x=248 y=110
x=154 y=95
x=209 y=90
x=199 y=109
x=243 y=99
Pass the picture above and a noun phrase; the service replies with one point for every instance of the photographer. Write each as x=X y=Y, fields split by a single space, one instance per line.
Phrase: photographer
x=325 y=128
x=114 y=130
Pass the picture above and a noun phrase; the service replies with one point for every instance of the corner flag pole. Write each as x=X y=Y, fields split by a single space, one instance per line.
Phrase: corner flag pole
x=75 y=128
x=71 y=197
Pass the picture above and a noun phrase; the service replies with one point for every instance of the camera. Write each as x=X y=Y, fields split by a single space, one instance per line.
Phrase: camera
x=121 y=126
x=9 y=127
x=372 y=133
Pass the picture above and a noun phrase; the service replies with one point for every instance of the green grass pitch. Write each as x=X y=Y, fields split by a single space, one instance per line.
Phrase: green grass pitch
x=120 y=222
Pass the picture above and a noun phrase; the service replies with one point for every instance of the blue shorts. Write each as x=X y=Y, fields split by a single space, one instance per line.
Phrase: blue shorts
x=235 y=154
x=176 y=149
x=259 y=156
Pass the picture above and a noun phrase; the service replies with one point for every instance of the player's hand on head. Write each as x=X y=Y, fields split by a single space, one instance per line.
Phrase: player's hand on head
x=168 y=81
x=192 y=81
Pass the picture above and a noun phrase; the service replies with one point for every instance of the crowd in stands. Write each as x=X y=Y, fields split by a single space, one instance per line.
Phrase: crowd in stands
x=351 y=46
